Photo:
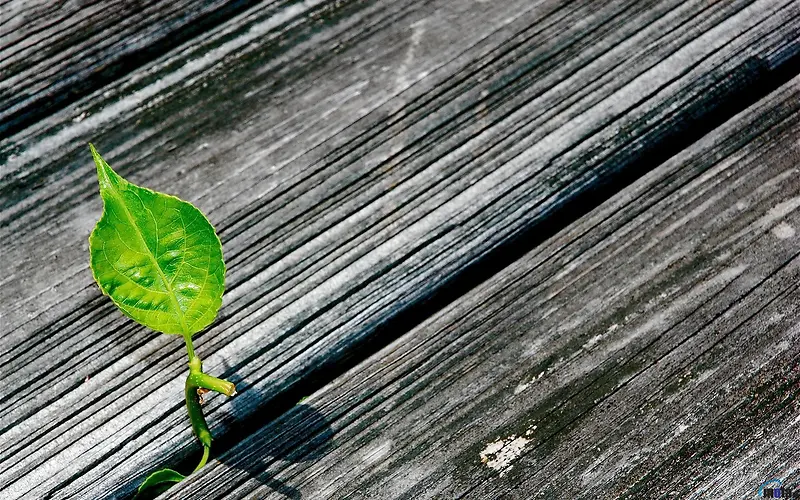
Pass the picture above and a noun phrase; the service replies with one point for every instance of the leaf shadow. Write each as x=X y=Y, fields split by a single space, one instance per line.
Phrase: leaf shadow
x=302 y=434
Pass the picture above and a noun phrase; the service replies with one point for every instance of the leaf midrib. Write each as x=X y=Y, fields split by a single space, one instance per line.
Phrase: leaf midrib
x=149 y=253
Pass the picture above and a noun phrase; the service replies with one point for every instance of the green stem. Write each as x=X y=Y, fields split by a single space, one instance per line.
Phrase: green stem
x=199 y=380
x=199 y=425
x=203 y=460
x=206 y=381
x=189 y=347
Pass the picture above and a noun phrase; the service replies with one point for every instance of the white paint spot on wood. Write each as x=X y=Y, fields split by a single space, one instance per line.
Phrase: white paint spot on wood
x=783 y=231
x=592 y=342
x=499 y=454
x=521 y=387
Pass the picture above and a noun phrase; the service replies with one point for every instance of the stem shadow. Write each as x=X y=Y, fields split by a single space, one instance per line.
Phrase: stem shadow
x=302 y=434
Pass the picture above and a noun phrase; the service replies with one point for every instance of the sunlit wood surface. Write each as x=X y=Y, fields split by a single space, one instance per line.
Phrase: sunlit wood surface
x=511 y=249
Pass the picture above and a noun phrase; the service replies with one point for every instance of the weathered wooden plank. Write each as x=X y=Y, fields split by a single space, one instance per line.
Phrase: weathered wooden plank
x=648 y=350
x=52 y=53
x=354 y=159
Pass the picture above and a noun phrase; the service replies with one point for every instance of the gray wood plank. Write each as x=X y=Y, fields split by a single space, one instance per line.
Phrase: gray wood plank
x=648 y=350
x=354 y=158
x=52 y=53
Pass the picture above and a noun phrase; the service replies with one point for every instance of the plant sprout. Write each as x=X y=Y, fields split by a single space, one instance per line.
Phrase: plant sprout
x=160 y=261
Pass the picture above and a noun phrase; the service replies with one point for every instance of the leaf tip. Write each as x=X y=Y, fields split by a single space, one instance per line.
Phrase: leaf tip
x=98 y=160
x=105 y=174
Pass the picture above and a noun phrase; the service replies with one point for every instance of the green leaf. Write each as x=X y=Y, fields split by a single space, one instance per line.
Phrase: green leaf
x=158 y=482
x=156 y=256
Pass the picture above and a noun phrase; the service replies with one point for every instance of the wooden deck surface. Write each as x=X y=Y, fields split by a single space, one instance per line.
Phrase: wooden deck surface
x=507 y=249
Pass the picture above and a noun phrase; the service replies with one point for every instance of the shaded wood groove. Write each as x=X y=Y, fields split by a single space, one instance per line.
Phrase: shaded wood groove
x=53 y=56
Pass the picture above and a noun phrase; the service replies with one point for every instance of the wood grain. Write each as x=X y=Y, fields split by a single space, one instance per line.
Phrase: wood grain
x=356 y=158
x=53 y=53
x=648 y=350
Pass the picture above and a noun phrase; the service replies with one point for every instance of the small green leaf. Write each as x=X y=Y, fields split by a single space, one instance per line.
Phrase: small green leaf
x=156 y=256
x=158 y=482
